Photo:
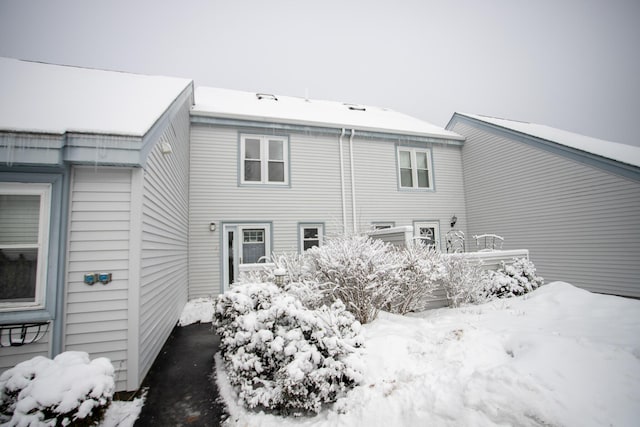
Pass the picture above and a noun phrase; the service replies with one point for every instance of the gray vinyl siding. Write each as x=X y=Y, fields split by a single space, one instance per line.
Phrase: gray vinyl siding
x=164 y=257
x=11 y=356
x=215 y=196
x=313 y=196
x=580 y=223
x=96 y=316
x=378 y=196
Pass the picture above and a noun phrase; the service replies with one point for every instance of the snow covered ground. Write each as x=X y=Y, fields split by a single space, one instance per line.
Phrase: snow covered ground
x=559 y=356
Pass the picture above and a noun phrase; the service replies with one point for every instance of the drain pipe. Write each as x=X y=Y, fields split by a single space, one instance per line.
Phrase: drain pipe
x=344 y=205
x=353 y=182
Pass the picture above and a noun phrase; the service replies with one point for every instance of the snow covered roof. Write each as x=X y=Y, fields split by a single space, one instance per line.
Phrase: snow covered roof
x=233 y=104
x=38 y=97
x=623 y=153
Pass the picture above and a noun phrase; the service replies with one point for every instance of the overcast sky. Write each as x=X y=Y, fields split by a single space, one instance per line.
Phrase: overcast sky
x=572 y=64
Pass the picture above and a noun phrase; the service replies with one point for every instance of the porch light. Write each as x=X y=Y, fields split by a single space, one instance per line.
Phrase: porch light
x=212 y=226
x=454 y=219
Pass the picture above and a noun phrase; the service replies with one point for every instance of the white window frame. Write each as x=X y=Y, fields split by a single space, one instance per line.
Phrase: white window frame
x=264 y=159
x=414 y=169
x=44 y=191
x=302 y=227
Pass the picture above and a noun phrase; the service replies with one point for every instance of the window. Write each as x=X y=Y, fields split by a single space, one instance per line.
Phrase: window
x=24 y=236
x=310 y=235
x=382 y=225
x=414 y=168
x=264 y=160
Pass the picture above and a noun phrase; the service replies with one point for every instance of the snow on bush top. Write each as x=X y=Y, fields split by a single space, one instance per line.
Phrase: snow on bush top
x=71 y=385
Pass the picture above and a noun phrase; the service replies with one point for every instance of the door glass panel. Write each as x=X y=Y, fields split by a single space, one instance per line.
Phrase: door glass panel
x=253 y=246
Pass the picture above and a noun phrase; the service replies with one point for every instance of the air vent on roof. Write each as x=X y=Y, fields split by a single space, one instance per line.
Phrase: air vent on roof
x=266 y=96
x=355 y=107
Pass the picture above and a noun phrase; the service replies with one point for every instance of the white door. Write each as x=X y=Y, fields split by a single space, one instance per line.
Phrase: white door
x=428 y=232
x=243 y=244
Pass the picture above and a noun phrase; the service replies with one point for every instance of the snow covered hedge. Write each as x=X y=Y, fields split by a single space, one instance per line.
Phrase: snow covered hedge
x=282 y=356
x=512 y=280
x=68 y=390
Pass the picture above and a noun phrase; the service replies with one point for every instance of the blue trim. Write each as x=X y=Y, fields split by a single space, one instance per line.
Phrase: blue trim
x=310 y=224
x=584 y=157
x=54 y=287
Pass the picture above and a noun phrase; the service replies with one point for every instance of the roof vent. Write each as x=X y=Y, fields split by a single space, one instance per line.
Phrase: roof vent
x=266 y=96
x=355 y=107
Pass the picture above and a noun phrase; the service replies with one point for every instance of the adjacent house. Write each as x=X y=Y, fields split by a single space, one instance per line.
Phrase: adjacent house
x=94 y=171
x=573 y=201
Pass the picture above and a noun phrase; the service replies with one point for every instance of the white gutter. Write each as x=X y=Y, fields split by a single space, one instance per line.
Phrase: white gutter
x=353 y=182
x=344 y=206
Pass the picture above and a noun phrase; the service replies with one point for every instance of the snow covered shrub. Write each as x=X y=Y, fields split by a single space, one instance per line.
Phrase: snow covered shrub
x=463 y=281
x=420 y=271
x=281 y=356
x=68 y=390
x=359 y=271
x=515 y=279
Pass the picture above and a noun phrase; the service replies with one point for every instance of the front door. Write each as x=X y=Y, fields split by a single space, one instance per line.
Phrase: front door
x=243 y=244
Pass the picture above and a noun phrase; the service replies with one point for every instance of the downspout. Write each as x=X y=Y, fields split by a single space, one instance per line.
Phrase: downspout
x=344 y=206
x=353 y=182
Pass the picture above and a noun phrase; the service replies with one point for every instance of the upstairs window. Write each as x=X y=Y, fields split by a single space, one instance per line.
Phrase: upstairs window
x=264 y=160
x=414 y=168
x=24 y=239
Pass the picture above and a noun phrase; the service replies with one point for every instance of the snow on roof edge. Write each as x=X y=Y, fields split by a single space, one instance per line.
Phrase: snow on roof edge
x=44 y=98
x=243 y=105
x=616 y=151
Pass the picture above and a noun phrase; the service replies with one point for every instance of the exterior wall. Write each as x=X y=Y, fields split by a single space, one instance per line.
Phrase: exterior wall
x=379 y=198
x=96 y=316
x=314 y=194
x=11 y=356
x=580 y=223
x=163 y=263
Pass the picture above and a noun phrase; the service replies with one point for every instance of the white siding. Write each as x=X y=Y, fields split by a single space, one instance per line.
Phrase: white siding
x=164 y=250
x=96 y=316
x=314 y=195
x=580 y=223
